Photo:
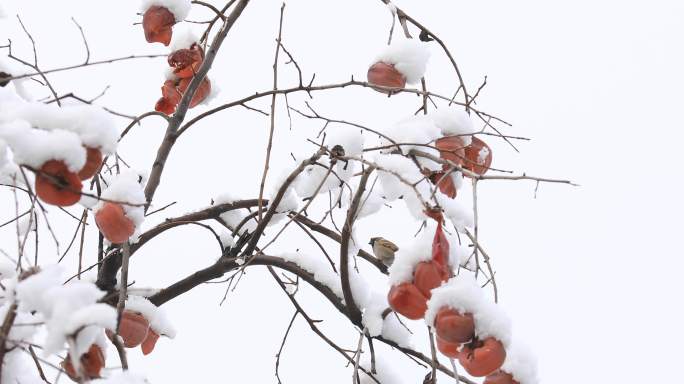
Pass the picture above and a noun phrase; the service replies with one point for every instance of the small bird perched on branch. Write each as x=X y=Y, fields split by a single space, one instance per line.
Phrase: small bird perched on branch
x=383 y=249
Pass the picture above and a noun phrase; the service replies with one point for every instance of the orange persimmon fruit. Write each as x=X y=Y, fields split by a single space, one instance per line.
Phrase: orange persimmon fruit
x=407 y=300
x=92 y=165
x=185 y=62
x=157 y=23
x=203 y=90
x=385 y=75
x=112 y=221
x=478 y=157
x=448 y=349
x=56 y=185
x=482 y=357
x=454 y=327
x=163 y=105
x=427 y=276
x=500 y=377
x=147 y=346
x=173 y=90
x=446 y=184
x=170 y=98
x=451 y=148
x=133 y=329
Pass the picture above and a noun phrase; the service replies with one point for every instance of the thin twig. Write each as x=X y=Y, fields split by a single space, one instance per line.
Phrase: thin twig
x=85 y=41
x=282 y=345
x=269 y=146
x=68 y=68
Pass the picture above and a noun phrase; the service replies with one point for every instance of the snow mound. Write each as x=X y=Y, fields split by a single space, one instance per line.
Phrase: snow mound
x=408 y=56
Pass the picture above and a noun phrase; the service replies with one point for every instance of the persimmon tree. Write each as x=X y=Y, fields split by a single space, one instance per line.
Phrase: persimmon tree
x=58 y=156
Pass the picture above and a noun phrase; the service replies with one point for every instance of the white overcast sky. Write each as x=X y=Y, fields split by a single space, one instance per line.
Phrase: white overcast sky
x=590 y=275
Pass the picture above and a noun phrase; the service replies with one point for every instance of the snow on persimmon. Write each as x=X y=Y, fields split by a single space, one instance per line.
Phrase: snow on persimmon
x=462 y=294
x=159 y=325
x=122 y=206
x=409 y=57
x=454 y=121
x=429 y=268
x=520 y=364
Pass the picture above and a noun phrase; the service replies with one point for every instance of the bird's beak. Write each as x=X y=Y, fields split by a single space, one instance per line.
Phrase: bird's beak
x=370 y=242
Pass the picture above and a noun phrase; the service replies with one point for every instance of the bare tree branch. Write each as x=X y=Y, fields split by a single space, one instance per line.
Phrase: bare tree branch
x=354 y=312
x=172 y=129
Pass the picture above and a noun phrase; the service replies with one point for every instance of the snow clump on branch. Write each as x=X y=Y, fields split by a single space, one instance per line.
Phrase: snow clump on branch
x=463 y=294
